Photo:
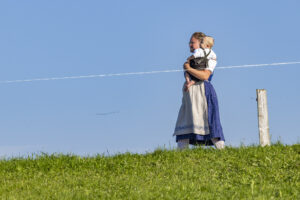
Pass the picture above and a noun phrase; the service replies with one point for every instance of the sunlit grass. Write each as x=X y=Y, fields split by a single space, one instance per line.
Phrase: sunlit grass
x=234 y=173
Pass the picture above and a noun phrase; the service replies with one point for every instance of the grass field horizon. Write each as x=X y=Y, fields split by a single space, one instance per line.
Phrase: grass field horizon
x=245 y=172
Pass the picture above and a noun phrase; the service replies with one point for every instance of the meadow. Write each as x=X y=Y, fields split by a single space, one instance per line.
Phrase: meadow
x=245 y=172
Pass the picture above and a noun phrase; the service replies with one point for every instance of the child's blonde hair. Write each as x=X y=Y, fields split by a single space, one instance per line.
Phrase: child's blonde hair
x=208 y=42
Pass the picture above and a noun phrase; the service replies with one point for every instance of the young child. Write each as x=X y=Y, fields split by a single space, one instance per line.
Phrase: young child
x=202 y=58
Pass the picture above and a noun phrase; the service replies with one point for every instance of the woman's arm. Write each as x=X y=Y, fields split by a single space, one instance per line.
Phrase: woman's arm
x=200 y=74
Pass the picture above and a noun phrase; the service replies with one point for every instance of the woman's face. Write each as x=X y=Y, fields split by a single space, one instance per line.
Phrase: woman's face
x=194 y=44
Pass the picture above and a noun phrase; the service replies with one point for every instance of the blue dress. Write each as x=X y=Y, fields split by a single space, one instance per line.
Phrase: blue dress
x=214 y=123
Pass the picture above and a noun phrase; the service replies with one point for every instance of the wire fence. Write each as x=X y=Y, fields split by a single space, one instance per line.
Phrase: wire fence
x=142 y=73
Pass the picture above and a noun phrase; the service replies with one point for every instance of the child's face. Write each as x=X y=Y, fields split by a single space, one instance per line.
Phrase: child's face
x=203 y=44
x=194 y=44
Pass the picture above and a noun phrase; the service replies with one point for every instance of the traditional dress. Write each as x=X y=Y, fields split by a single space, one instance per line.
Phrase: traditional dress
x=198 y=118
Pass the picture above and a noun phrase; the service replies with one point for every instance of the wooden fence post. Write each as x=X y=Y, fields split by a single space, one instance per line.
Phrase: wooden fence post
x=263 y=119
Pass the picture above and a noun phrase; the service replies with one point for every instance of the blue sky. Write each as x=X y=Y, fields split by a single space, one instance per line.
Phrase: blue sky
x=40 y=39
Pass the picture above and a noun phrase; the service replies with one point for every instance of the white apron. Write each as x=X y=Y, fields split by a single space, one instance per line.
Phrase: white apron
x=193 y=113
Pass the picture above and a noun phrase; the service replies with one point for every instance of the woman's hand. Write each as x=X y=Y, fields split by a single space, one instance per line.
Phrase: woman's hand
x=200 y=74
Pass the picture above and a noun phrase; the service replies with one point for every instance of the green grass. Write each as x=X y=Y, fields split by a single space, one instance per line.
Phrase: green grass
x=234 y=173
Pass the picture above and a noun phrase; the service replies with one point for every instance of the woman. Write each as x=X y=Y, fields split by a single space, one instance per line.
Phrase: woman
x=198 y=120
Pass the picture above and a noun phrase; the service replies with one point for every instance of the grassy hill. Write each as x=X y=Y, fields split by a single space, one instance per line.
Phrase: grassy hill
x=234 y=173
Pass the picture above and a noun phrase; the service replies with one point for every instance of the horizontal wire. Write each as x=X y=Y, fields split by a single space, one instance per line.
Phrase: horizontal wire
x=141 y=73
x=258 y=65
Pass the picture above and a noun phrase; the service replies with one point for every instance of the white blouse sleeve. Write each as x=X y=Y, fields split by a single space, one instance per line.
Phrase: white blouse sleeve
x=198 y=53
x=212 y=65
x=212 y=61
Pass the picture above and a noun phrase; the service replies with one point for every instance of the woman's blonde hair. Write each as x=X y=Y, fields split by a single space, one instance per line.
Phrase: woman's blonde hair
x=199 y=36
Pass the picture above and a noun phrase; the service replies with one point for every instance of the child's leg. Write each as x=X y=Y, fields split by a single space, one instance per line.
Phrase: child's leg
x=188 y=81
x=219 y=144
x=187 y=77
x=192 y=82
x=183 y=144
